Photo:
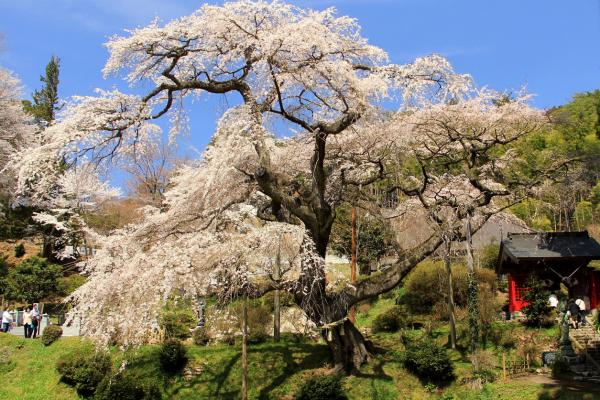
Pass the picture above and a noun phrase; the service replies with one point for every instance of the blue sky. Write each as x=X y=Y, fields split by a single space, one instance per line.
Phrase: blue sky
x=551 y=46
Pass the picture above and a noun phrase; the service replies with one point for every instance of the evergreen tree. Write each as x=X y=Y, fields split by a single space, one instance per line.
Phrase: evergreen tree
x=45 y=101
x=537 y=296
x=43 y=109
x=33 y=280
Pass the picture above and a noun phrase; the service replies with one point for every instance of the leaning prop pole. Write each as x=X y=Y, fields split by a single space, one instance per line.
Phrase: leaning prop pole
x=451 y=316
x=276 y=300
x=245 y=350
x=352 y=315
x=472 y=290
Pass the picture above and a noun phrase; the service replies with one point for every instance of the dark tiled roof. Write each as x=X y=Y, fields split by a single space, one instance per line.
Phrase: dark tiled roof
x=550 y=246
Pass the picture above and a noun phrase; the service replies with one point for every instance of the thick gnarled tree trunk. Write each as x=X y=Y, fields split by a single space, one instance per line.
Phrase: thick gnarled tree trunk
x=348 y=347
x=329 y=311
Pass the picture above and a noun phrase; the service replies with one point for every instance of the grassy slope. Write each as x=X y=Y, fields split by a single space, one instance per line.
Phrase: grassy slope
x=30 y=374
x=276 y=370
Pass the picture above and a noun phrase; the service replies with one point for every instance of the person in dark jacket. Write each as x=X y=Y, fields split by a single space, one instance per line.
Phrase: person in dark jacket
x=575 y=314
x=35 y=320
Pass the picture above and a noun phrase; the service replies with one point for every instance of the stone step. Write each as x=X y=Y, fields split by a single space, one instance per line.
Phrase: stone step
x=584 y=370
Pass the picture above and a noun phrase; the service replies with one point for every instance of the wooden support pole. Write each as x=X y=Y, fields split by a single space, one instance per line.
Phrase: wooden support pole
x=472 y=291
x=451 y=316
x=504 y=365
x=245 y=350
x=352 y=315
x=514 y=366
x=276 y=300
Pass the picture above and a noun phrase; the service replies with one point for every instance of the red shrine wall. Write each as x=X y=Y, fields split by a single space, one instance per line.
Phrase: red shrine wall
x=517 y=288
x=516 y=291
x=594 y=289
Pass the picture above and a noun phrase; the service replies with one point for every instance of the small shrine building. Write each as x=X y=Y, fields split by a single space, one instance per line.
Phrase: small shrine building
x=569 y=258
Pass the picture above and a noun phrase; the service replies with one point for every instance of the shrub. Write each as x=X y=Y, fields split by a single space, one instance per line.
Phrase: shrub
x=177 y=318
x=3 y=273
x=227 y=338
x=321 y=387
x=258 y=337
x=483 y=360
x=483 y=366
x=173 y=355
x=124 y=386
x=485 y=375
x=34 y=279
x=84 y=371
x=389 y=321
x=488 y=308
x=537 y=310
x=259 y=317
x=488 y=256
x=494 y=335
x=19 y=250
x=51 y=334
x=200 y=337
x=529 y=350
x=428 y=361
x=427 y=285
x=509 y=341
x=268 y=300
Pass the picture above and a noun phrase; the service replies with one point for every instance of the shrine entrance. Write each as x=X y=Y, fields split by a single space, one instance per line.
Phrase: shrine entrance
x=555 y=258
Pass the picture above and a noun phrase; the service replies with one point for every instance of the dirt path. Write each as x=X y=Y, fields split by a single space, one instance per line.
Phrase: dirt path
x=564 y=384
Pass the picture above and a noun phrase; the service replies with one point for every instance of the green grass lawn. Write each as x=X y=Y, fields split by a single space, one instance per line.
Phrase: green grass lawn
x=27 y=371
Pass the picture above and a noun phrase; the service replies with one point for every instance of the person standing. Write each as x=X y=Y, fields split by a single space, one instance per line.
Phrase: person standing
x=35 y=320
x=27 y=322
x=553 y=301
x=582 y=311
x=575 y=316
x=7 y=320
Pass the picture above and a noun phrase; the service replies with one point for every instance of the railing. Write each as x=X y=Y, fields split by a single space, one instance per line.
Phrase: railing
x=54 y=319
x=513 y=367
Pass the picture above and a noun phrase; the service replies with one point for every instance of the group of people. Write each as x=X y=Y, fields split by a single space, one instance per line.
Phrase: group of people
x=31 y=321
x=576 y=312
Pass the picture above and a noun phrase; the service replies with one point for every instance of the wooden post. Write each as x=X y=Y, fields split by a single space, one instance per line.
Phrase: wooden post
x=472 y=291
x=276 y=301
x=245 y=350
x=451 y=317
x=514 y=365
x=352 y=315
x=504 y=365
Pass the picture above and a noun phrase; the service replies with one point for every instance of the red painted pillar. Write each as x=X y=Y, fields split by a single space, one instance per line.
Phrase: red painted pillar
x=593 y=289
x=511 y=293
x=517 y=289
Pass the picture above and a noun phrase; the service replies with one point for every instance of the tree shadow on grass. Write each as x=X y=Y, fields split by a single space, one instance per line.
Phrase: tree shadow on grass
x=215 y=383
x=212 y=376
x=316 y=354
x=377 y=365
x=222 y=377
x=570 y=390
x=145 y=364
